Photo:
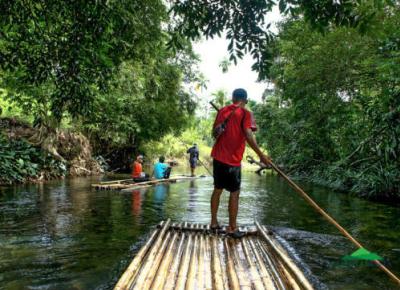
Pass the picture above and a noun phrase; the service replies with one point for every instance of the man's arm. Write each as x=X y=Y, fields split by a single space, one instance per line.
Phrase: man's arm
x=253 y=144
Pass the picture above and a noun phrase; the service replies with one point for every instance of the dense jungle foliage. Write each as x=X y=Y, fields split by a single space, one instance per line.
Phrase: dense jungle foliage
x=334 y=115
x=97 y=67
x=21 y=162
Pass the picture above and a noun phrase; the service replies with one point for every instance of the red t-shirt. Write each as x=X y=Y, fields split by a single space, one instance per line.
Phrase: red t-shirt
x=137 y=169
x=229 y=147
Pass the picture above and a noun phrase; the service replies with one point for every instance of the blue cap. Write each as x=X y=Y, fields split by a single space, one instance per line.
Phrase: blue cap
x=239 y=95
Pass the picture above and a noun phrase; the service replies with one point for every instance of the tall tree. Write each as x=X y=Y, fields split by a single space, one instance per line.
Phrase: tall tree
x=72 y=47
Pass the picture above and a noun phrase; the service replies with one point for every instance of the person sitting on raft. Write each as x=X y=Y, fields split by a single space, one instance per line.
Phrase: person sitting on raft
x=162 y=170
x=137 y=170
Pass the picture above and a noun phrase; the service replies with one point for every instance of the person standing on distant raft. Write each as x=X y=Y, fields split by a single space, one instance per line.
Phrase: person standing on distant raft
x=193 y=157
x=137 y=170
x=233 y=126
x=162 y=170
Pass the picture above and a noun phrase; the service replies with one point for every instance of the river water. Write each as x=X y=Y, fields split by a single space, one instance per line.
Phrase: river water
x=64 y=235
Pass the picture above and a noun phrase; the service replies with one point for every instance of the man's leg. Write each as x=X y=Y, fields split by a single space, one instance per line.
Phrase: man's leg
x=167 y=172
x=214 y=206
x=192 y=170
x=233 y=210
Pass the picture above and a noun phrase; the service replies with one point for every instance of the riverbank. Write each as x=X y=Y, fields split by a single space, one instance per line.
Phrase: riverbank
x=36 y=154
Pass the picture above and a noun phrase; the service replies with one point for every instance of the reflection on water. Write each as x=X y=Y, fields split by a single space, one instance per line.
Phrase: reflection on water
x=63 y=235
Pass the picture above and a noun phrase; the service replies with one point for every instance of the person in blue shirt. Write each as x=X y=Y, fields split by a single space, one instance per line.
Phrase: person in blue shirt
x=161 y=170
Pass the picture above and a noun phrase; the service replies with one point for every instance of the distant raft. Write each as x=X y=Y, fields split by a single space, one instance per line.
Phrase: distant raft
x=129 y=184
x=190 y=256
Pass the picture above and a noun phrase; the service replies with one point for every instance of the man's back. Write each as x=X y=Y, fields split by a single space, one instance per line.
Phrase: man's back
x=194 y=152
x=229 y=147
x=137 y=169
x=159 y=170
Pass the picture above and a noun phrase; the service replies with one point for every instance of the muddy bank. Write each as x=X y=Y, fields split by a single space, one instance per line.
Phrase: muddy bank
x=41 y=153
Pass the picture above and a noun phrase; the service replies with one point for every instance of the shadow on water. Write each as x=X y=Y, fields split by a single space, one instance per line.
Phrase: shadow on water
x=63 y=235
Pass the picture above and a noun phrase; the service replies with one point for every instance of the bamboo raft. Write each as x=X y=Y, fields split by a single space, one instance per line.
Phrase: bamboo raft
x=129 y=184
x=190 y=256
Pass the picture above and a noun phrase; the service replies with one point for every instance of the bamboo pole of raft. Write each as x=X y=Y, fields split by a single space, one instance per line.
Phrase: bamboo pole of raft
x=217 y=278
x=162 y=271
x=256 y=277
x=200 y=265
x=191 y=277
x=280 y=268
x=115 y=181
x=232 y=276
x=149 y=271
x=184 y=264
x=299 y=275
x=270 y=281
x=132 y=270
x=332 y=220
x=207 y=263
x=289 y=277
x=244 y=281
x=144 y=269
x=173 y=271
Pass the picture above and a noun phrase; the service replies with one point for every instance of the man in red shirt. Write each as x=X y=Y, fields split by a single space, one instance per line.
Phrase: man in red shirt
x=228 y=152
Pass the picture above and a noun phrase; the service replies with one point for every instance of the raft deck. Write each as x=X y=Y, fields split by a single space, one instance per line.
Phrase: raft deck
x=129 y=184
x=190 y=256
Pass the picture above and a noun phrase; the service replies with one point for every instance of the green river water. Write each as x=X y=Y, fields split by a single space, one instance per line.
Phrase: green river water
x=64 y=235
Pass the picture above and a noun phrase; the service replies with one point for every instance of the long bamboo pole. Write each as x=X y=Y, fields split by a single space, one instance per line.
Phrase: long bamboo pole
x=162 y=272
x=200 y=265
x=272 y=276
x=232 y=276
x=299 y=275
x=207 y=264
x=244 y=280
x=184 y=264
x=173 y=271
x=256 y=277
x=332 y=220
x=150 y=269
x=217 y=272
x=191 y=277
x=184 y=267
x=133 y=269
x=289 y=277
x=151 y=255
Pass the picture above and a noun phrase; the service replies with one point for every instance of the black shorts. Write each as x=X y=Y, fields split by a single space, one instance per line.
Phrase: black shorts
x=193 y=163
x=226 y=176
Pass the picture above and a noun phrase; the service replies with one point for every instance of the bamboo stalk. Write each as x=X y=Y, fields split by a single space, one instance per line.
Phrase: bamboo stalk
x=244 y=280
x=200 y=265
x=289 y=277
x=152 y=253
x=217 y=272
x=149 y=271
x=115 y=181
x=173 y=271
x=207 y=263
x=232 y=276
x=191 y=277
x=256 y=278
x=284 y=257
x=184 y=264
x=270 y=281
x=130 y=273
x=162 y=271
